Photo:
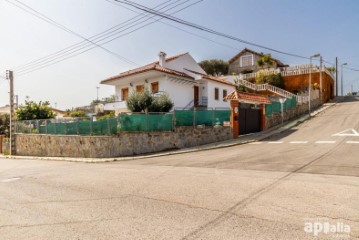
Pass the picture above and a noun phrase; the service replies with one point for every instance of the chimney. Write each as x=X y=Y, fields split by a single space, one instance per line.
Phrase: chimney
x=162 y=58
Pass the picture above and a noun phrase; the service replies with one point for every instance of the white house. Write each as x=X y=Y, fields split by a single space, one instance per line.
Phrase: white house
x=186 y=83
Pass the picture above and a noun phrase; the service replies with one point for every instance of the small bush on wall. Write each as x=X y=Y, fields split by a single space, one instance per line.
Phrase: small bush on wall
x=274 y=79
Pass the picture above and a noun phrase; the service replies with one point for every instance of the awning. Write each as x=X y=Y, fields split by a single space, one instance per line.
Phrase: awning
x=245 y=97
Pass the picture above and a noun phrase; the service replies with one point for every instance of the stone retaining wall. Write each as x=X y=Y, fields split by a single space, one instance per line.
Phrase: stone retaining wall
x=123 y=144
x=276 y=118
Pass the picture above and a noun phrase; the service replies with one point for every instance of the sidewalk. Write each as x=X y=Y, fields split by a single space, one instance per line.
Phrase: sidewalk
x=244 y=139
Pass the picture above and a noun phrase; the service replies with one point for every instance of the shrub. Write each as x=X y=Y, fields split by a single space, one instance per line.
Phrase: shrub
x=106 y=116
x=77 y=114
x=5 y=124
x=139 y=101
x=272 y=78
x=161 y=103
x=145 y=102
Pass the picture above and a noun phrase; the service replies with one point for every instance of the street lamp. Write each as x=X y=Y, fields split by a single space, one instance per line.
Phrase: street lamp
x=97 y=92
x=310 y=80
x=341 y=83
x=282 y=101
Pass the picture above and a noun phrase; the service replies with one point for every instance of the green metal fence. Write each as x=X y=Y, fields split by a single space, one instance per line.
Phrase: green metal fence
x=80 y=126
x=146 y=122
x=275 y=107
x=202 y=117
x=143 y=122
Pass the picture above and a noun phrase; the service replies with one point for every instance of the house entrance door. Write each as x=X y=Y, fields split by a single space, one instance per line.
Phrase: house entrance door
x=196 y=96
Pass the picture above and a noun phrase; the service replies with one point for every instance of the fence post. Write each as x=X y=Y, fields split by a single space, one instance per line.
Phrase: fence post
x=174 y=121
x=77 y=126
x=213 y=116
x=46 y=126
x=194 y=116
x=65 y=127
x=91 y=127
x=147 y=128
x=38 y=126
x=55 y=126
x=119 y=124
x=108 y=126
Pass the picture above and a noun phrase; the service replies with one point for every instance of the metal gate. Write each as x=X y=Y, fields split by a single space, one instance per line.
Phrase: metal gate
x=249 y=119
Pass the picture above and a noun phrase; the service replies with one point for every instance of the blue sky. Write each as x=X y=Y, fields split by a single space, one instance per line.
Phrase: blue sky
x=302 y=27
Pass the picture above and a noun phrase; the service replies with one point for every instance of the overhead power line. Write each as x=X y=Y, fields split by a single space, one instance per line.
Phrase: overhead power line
x=208 y=30
x=41 y=16
x=47 y=61
x=78 y=46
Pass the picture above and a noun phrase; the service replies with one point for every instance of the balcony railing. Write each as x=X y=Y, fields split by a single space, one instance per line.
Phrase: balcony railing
x=115 y=105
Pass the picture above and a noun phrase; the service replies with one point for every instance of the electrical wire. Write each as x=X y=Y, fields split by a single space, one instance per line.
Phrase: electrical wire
x=41 y=16
x=51 y=62
x=48 y=63
x=205 y=29
x=74 y=46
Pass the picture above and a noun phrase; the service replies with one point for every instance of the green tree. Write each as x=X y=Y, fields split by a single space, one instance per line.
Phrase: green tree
x=5 y=124
x=32 y=110
x=265 y=61
x=215 y=67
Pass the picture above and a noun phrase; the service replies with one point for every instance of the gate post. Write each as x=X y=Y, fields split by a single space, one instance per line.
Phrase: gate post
x=235 y=118
x=263 y=117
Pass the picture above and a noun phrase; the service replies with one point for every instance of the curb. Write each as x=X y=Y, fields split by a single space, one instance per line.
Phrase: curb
x=262 y=135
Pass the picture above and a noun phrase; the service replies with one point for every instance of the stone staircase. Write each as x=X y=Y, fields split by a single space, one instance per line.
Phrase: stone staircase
x=273 y=89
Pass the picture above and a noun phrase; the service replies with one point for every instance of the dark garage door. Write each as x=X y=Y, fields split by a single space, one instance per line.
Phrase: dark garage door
x=249 y=120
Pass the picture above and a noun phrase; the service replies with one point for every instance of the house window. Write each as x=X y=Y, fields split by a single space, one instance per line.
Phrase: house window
x=247 y=60
x=140 y=88
x=224 y=95
x=154 y=87
x=124 y=94
x=216 y=94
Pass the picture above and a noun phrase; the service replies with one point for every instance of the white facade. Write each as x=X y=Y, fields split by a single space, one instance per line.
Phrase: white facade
x=220 y=102
x=181 y=89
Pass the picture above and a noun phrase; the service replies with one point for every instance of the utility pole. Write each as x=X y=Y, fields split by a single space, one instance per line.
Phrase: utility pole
x=10 y=77
x=336 y=76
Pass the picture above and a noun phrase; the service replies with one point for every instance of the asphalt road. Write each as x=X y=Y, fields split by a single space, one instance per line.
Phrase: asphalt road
x=263 y=190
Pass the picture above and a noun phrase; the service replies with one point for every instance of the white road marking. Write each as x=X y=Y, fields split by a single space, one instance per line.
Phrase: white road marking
x=10 y=179
x=298 y=142
x=353 y=142
x=325 y=142
x=278 y=142
x=347 y=133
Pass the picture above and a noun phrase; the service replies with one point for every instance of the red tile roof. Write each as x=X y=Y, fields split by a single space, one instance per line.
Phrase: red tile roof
x=209 y=77
x=150 y=67
x=248 y=97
